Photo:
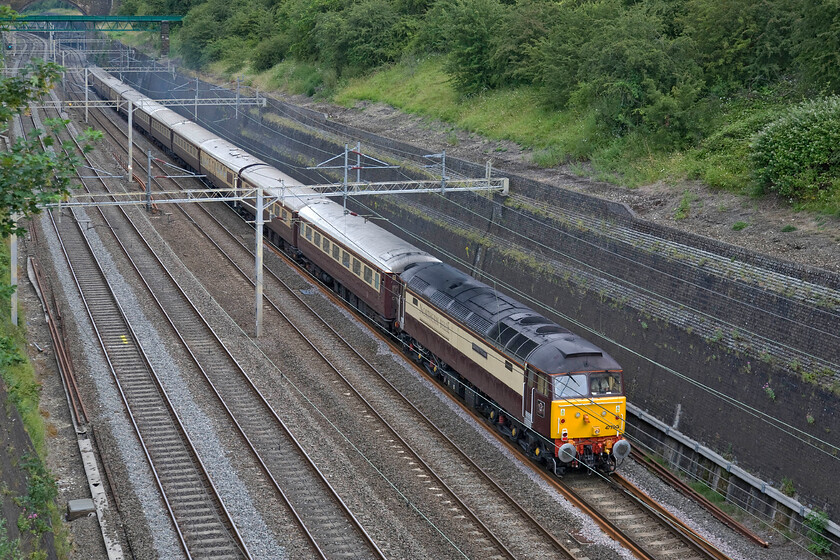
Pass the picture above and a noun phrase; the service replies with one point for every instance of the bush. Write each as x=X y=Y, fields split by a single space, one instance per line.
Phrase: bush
x=618 y=61
x=798 y=155
x=470 y=56
x=269 y=52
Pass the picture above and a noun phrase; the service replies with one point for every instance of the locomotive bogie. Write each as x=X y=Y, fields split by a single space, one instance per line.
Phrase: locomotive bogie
x=478 y=363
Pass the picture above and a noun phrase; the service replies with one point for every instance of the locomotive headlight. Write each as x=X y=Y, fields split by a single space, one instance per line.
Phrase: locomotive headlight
x=577 y=414
x=603 y=413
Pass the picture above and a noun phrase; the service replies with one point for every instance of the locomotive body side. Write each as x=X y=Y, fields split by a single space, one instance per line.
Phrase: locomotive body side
x=557 y=391
x=461 y=349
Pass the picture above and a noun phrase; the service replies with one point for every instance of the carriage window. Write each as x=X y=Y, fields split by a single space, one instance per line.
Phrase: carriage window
x=309 y=233
x=570 y=386
x=377 y=282
x=336 y=252
x=357 y=267
x=605 y=383
x=283 y=215
x=508 y=366
x=229 y=178
x=326 y=246
x=368 y=275
x=317 y=238
x=345 y=259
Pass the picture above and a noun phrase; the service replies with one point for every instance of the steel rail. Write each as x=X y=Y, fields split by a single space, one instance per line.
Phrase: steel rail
x=556 y=542
x=167 y=312
x=678 y=484
x=95 y=274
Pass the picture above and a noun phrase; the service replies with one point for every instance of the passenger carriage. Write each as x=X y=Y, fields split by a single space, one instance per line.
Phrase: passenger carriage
x=360 y=257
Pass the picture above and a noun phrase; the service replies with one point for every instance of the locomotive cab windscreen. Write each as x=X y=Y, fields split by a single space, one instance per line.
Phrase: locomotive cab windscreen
x=588 y=412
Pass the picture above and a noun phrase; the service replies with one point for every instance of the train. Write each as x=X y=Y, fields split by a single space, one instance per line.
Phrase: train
x=557 y=396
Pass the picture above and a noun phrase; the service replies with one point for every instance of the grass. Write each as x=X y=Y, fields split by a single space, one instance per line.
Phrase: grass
x=24 y=390
x=719 y=156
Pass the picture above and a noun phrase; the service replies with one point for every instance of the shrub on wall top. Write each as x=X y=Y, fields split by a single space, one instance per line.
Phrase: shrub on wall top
x=798 y=155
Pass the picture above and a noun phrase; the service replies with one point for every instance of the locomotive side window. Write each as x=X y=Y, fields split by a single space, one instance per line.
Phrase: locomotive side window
x=479 y=350
x=542 y=384
x=605 y=383
x=570 y=386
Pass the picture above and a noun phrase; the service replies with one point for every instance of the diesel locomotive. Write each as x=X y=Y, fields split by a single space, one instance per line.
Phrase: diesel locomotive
x=556 y=395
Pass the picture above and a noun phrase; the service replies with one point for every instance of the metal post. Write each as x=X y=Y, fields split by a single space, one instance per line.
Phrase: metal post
x=86 y=93
x=149 y=182
x=63 y=74
x=259 y=107
x=195 y=111
x=358 y=162
x=258 y=264
x=13 y=277
x=130 y=138
x=443 y=172
x=238 y=80
x=345 y=177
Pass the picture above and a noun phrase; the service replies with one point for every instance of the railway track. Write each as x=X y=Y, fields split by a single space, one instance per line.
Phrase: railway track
x=457 y=514
x=200 y=519
x=367 y=407
x=332 y=529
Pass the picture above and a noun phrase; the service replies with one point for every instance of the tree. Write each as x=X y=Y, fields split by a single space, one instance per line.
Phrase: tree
x=30 y=176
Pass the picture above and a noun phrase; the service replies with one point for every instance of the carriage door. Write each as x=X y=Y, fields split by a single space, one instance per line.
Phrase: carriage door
x=528 y=395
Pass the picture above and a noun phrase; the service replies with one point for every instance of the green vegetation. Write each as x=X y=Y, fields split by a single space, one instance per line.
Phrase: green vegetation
x=730 y=93
x=787 y=487
x=738 y=226
x=817 y=521
x=645 y=91
x=684 y=207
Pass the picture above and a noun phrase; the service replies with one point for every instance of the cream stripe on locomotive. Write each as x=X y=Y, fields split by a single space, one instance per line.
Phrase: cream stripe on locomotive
x=467 y=344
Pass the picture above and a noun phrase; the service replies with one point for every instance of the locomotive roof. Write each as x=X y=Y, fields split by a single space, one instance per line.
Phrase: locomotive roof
x=383 y=249
x=232 y=157
x=504 y=322
x=276 y=183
